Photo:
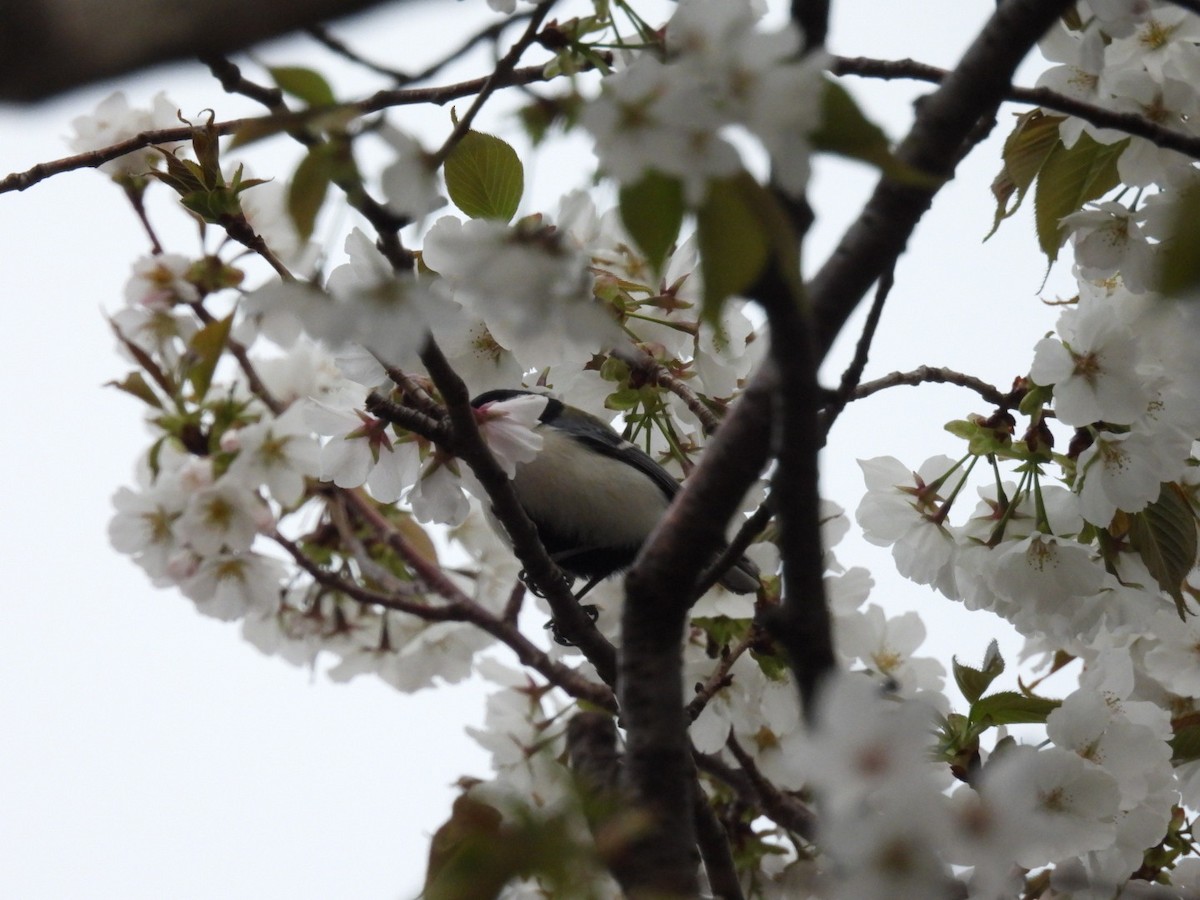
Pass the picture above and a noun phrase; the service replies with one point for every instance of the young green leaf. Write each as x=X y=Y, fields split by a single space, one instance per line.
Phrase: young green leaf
x=204 y=352
x=303 y=84
x=1068 y=179
x=846 y=131
x=137 y=386
x=652 y=212
x=974 y=682
x=1026 y=150
x=1181 y=249
x=1012 y=708
x=734 y=247
x=484 y=177
x=1185 y=745
x=1164 y=536
x=310 y=184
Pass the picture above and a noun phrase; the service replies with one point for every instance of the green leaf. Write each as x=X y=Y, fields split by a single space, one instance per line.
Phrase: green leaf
x=206 y=144
x=304 y=84
x=1180 y=259
x=982 y=440
x=1185 y=745
x=1067 y=180
x=1035 y=400
x=137 y=386
x=974 y=682
x=310 y=184
x=846 y=131
x=1025 y=152
x=204 y=351
x=484 y=177
x=734 y=245
x=623 y=400
x=652 y=212
x=254 y=130
x=723 y=630
x=1164 y=536
x=1012 y=708
x=465 y=855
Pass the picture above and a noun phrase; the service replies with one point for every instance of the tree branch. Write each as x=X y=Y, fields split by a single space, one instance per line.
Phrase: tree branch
x=50 y=46
x=1130 y=123
x=781 y=808
x=648 y=369
x=504 y=66
x=801 y=623
x=20 y=181
x=813 y=18
x=942 y=375
x=459 y=608
x=467 y=444
x=659 y=591
x=853 y=374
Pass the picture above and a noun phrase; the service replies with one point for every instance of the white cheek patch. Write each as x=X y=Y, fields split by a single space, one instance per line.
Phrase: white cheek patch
x=579 y=492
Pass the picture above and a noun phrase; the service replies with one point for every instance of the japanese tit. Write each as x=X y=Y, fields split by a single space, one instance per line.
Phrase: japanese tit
x=594 y=497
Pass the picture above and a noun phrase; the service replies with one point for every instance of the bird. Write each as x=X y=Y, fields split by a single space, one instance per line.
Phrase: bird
x=593 y=496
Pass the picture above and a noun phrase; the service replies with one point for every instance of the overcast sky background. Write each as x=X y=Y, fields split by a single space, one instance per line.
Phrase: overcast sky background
x=148 y=752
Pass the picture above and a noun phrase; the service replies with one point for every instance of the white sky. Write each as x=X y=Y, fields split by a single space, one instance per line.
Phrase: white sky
x=148 y=752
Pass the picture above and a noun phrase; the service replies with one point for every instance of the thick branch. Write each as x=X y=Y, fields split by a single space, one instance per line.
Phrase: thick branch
x=659 y=592
x=50 y=46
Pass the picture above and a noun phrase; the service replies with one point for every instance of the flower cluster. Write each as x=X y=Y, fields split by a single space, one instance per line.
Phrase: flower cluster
x=673 y=113
x=1091 y=552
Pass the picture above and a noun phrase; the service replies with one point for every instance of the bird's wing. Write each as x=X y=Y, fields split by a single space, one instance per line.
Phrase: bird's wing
x=612 y=444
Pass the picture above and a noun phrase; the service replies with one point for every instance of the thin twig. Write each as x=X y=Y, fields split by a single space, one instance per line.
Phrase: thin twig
x=323 y=36
x=776 y=805
x=491 y=33
x=940 y=375
x=720 y=678
x=392 y=600
x=714 y=851
x=369 y=568
x=407 y=418
x=414 y=392
x=1130 y=123
x=749 y=530
x=853 y=374
x=651 y=370
x=504 y=66
x=20 y=181
x=385 y=223
x=136 y=196
x=463 y=609
x=516 y=599
x=238 y=350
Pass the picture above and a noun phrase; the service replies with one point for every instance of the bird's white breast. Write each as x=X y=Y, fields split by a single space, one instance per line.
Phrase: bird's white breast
x=577 y=491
